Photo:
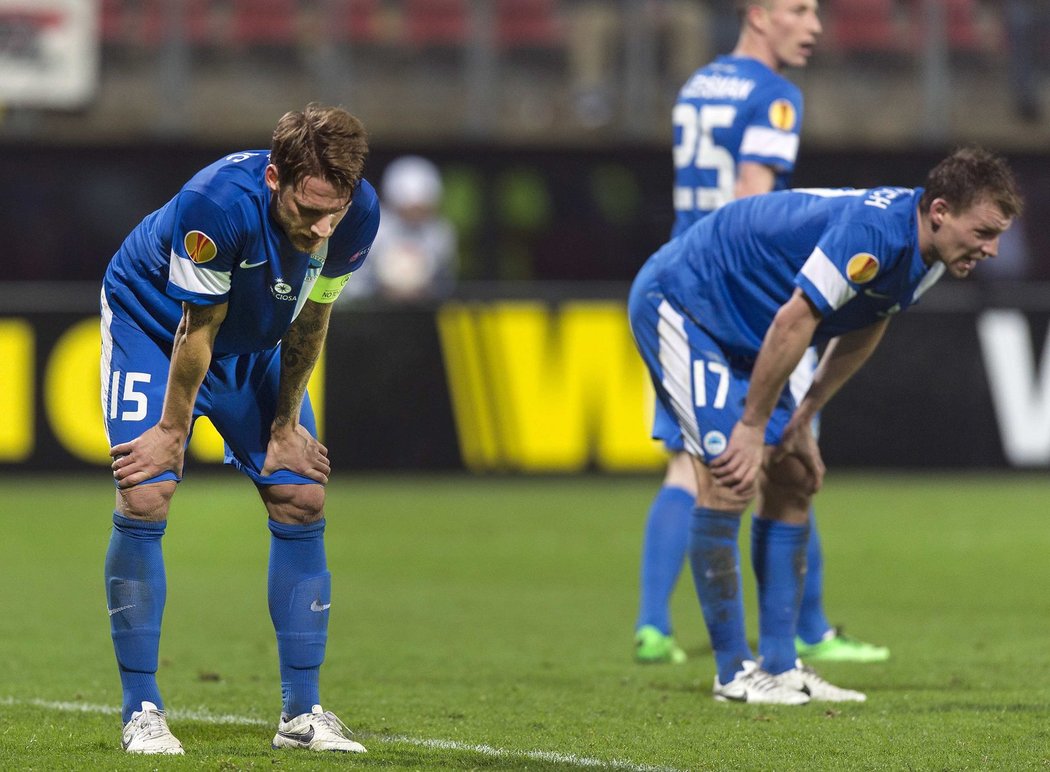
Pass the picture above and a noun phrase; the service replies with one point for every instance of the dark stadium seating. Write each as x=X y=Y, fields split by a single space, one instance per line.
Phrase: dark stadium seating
x=423 y=23
x=528 y=24
x=865 y=26
x=969 y=31
x=429 y=23
x=899 y=26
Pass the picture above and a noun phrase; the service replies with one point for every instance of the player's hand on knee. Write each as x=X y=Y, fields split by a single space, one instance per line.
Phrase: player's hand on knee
x=790 y=480
x=737 y=468
x=815 y=468
x=297 y=451
x=799 y=442
x=152 y=453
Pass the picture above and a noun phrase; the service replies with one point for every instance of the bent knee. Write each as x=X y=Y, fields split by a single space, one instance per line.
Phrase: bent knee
x=146 y=502
x=722 y=498
x=713 y=494
x=294 y=504
x=785 y=491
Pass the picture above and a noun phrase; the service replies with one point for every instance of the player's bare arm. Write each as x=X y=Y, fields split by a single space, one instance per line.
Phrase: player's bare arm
x=291 y=446
x=843 y=357
x=786 y=341
x=161 y=447
x=753 y=179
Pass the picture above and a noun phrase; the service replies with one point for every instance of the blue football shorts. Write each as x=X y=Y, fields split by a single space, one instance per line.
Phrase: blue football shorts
x=700 y=390
x=238 y=395
x=666 y=429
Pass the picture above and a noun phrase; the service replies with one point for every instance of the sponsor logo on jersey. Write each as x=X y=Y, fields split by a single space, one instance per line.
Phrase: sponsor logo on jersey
x=862 y=268
x=782 y=115
x=199 y=247
x=282 y=290
x=714 y=443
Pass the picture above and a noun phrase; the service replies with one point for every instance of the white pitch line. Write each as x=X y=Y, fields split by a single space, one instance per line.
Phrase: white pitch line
x=207 y=717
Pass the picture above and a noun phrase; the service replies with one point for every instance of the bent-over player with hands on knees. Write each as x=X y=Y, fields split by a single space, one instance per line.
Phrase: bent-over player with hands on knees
x=217 y=304
x=723 y=314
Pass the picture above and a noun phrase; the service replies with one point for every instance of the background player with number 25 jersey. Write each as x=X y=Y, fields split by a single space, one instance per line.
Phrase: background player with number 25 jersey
x=218 y=304
x=734 y=111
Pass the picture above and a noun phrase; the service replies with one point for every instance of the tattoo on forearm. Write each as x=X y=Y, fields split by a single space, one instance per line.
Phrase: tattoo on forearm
x=300 y=349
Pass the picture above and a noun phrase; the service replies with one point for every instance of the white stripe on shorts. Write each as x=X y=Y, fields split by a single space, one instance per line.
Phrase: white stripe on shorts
x=107 y=358
x=677 y=373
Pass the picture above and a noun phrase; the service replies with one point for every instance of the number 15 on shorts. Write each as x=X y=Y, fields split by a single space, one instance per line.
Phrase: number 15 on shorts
x=132 y=405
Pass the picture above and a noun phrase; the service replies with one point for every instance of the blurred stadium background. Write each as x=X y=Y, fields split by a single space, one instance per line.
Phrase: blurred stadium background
x=549 y=120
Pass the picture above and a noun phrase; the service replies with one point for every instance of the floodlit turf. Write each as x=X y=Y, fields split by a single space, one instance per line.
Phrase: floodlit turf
x=486 y=623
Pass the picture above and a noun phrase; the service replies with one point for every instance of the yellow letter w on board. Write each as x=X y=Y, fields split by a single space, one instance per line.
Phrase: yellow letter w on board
x=542 y=389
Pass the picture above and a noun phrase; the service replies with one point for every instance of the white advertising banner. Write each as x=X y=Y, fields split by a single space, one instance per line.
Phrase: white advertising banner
x=49 y=52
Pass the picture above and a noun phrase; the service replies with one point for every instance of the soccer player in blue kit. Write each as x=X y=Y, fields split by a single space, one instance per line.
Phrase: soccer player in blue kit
x=723 y=314
x=218 y=304
x=736 y=127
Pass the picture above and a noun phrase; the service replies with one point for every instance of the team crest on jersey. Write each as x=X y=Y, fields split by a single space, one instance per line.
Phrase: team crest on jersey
x=862 y=268
x=317 y=258
x=782 y=115
x=199 y=247
x=714 y=443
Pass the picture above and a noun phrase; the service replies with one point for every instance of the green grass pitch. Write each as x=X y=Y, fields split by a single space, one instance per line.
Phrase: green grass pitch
x=485 y=623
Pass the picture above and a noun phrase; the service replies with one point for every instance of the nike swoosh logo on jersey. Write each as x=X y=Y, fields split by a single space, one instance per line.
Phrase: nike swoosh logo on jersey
x=878 y=295
x=113 y=611
x=303 y=738
x=246 y=264
x=317 y=606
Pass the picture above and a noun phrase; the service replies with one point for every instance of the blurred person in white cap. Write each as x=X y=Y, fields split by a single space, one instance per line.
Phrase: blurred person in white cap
x=414 y=257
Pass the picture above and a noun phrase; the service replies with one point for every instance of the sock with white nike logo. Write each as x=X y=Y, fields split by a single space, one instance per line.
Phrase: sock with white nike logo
x=300 y=591
x=135 y=592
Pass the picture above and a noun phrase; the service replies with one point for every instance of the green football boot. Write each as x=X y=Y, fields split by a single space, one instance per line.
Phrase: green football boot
x=836 y=646
x=652 y=647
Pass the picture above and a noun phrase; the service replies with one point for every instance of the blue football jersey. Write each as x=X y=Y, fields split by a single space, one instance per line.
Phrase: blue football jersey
x=854 y=253
x=732 y=110
x=216 y=241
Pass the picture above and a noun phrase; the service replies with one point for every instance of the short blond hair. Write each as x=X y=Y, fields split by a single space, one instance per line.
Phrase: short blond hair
x=743 y=5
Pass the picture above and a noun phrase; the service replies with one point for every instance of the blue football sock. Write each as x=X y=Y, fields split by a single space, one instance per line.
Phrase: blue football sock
x=812 y=622
x=778 y=555
x=714 y=556
x=135 y=592
x=300 y=592
x=663 y=554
